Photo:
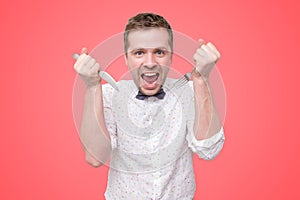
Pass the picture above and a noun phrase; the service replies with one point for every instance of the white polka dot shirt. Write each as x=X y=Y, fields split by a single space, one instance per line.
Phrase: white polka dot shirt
x=153 y=143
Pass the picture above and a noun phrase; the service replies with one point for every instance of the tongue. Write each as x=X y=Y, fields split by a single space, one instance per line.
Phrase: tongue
x=150 y=79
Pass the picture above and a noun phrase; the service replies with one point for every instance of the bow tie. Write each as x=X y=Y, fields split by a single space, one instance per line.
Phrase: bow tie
x=160 y=95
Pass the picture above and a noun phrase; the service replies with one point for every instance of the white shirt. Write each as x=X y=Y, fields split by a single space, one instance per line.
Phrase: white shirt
x=153 y=143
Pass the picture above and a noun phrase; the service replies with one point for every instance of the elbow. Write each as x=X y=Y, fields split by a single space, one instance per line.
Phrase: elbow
x=92 y=161
x=99 y=159
x=94 y=164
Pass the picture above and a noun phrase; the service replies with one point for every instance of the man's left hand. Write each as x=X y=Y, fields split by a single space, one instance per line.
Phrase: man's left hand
x=205 y=58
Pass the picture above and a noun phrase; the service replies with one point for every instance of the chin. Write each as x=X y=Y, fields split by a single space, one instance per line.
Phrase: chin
x=150 y=92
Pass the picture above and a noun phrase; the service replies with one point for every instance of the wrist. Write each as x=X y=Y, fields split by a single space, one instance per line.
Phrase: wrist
x=201 y=87
x=92 y=87
x=200 y=80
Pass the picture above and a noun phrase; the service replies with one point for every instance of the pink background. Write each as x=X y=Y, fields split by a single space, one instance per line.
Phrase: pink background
x=41 y=154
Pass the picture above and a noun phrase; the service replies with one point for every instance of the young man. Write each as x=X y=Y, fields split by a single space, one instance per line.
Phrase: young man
x=150 y=128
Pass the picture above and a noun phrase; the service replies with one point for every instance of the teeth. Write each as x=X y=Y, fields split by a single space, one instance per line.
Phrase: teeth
x=149 y=74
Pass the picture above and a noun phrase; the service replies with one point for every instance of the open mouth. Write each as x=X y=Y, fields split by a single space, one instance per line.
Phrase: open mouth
x=150 y=77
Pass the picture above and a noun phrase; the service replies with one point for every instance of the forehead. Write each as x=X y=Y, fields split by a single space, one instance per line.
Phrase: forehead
x=148 y=38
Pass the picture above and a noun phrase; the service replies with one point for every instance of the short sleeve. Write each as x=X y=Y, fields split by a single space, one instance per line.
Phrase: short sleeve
x=107 y=91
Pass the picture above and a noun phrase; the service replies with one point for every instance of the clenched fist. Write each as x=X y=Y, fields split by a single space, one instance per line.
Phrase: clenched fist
x=206 y=57
x=88 y=69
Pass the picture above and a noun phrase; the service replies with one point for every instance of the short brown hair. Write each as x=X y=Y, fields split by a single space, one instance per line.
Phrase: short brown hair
x=147 y=20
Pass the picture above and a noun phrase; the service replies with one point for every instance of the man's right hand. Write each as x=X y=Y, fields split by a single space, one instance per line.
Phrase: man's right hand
x=88 y=69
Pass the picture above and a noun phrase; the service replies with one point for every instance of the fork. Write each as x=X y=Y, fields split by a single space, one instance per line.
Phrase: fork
x=183 y=80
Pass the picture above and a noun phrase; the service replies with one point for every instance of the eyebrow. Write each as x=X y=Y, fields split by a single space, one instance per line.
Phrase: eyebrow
x=142 y=49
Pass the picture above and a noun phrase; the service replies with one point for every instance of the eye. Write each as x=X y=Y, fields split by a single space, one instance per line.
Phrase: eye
x=138 y=53
x=160 y=52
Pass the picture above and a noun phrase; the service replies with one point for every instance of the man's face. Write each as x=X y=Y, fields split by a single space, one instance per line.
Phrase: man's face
x=149 y=58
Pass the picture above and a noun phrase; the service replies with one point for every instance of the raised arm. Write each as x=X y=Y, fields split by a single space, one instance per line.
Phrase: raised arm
x=207 y=121
x=93 y=132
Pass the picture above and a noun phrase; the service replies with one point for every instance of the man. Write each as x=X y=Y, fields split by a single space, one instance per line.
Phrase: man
x=149 y=127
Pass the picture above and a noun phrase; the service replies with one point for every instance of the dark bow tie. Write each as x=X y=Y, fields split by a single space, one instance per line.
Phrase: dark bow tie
x=160 y=95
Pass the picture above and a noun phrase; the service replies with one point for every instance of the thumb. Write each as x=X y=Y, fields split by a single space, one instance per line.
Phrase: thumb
x=84 y=50
x=201 y=42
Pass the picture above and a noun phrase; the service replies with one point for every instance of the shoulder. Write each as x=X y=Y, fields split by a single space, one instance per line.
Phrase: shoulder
x=124 y=87
x=107 y=90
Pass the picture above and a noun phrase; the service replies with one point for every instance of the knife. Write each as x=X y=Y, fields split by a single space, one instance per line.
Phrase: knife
x=103 y=75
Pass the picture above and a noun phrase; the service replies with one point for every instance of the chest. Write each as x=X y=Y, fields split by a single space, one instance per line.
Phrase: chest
x=145 y=126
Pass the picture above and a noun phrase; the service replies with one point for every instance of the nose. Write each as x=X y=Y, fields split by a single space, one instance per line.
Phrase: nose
x=150 y=61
